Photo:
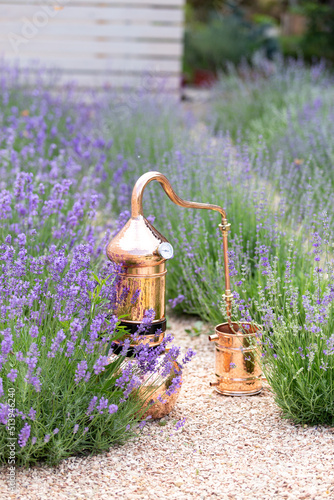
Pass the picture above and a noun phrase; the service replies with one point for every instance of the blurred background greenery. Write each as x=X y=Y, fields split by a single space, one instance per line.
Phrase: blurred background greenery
x=224 y=32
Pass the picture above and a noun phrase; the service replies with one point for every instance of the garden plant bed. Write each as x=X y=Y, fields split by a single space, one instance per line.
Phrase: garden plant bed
x=229 y=448
x=259 y=146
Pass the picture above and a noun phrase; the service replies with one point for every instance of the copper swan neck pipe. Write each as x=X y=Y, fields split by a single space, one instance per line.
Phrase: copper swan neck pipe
x=138 y=191
x=137 y=210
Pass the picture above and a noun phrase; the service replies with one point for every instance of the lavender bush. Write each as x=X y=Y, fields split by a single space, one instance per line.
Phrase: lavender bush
x=60 y=392
x=298 y=339
x=260 y=99
x=282 y=111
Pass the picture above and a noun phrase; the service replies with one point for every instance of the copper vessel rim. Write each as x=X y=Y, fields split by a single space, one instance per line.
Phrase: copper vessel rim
x=257 y=328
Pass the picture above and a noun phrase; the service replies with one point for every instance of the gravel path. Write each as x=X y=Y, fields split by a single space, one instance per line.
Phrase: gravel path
x=229 y=448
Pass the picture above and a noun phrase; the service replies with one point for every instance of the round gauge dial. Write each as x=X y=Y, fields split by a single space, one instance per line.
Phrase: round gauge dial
x=165 y=250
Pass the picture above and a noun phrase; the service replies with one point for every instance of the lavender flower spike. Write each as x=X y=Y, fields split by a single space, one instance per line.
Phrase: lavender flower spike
x=24 y=435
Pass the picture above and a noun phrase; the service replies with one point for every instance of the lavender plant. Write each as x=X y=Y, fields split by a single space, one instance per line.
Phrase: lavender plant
x=257 y=100
x=61 y=390
x=282 y=110
x=298 y=341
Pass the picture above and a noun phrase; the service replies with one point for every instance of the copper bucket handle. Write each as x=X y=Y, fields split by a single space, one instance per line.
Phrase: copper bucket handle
x=137 y=211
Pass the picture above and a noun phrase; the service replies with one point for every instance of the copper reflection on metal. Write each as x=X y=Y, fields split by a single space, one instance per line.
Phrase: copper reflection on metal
x=153 y=340
x=143 y=269
x=237 y=366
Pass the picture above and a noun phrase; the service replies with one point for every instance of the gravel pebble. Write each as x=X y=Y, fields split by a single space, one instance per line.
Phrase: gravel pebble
x=230 y=448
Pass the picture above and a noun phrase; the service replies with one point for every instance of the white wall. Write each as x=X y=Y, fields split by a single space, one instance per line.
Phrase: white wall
x=124 y=43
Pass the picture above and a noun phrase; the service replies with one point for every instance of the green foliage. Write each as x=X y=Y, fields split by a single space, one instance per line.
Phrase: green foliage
x=253 y=101
x=195 y=330
x=291 y=45
x=299 y=346
x=225 y=39
x=319 y=37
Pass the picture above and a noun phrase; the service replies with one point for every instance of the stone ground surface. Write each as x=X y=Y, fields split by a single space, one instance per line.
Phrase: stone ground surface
x=230 y=448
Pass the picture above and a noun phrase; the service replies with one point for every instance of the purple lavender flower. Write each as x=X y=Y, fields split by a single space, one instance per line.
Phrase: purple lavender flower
x=24 y=435
x=180 y=424
x=142 y=424
x=147 y=358
x=126 y=344
x=76 y=327
x=70 y=347
x=167 y=367
x=149 y=316
x=189 y=355
x=5 y=205
x=12 y=374
x=22 y=239
x=96 y=326
x=55 y=431
x=4 y=413
x=135 y=296
x=35 y=381
x=75 y=428
x=6 y=344
x=92 y=405
x=100 y=364
x=47 y=438
x=178 y=300
x=175 y=385
x=126 y=376
x=103 y=404
x=80 y=371
x=112 y=409
x=55 y=345
x=34 y=331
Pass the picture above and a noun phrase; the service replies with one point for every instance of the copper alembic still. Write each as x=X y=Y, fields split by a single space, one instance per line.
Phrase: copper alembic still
x=142 y=251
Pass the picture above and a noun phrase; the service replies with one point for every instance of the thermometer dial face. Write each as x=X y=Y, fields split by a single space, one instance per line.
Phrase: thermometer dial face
x=165 y=250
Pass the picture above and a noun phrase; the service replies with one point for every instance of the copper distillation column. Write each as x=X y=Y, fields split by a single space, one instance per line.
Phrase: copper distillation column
x=142 y=252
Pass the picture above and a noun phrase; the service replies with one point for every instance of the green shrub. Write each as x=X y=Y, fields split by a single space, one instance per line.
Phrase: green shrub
x=224 y=40
x=298 y=340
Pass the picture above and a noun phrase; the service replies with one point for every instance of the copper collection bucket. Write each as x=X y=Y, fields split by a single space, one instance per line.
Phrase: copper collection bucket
x=237 y=364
